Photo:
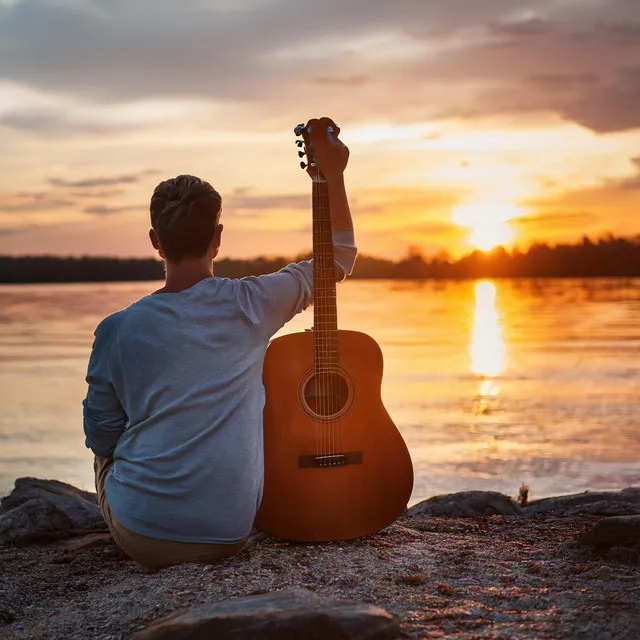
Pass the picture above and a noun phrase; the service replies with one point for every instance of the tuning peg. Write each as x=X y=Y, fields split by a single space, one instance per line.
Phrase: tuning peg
x=301 y=154
x=299 y=142
x=299 y=129
x=303 y=165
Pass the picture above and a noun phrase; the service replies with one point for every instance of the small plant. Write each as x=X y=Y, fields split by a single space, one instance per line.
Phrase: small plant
x=523 y=495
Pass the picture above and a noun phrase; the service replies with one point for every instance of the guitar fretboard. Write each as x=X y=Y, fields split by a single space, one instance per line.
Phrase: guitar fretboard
x=325 y=314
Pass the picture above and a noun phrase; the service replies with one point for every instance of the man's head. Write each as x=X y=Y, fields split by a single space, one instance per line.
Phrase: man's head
x=185 y=216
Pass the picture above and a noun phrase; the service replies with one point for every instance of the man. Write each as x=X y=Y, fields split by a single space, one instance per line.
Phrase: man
x=173 y=411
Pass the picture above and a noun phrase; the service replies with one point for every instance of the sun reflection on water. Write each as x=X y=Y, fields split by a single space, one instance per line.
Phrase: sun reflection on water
x=487 y=346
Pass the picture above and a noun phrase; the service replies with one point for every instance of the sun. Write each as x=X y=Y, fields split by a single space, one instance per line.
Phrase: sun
x=488 y=221
x=488 y=236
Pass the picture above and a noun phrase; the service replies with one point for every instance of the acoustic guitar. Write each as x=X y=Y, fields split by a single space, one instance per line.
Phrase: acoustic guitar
x=336 y=466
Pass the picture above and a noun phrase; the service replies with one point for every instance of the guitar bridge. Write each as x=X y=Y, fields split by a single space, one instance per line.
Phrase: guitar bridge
x=326 y=460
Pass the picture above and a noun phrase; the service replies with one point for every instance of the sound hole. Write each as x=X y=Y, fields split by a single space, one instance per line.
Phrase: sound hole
x=326 y=393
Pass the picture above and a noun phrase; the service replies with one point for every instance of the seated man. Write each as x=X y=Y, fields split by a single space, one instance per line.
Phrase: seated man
x=173 y=411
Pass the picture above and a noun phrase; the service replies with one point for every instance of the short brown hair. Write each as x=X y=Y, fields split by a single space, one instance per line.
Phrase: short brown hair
x=185 y=212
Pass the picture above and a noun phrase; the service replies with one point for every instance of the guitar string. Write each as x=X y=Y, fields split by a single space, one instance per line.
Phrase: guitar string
x=325 y=396
x=327 y=333
x=317 y=390
x=317 y=335
x=315 y=341
x=322 y=328
x=319 y=329
x=328 y=387
x=321 y=333
x=328 y=328
x=333 y=334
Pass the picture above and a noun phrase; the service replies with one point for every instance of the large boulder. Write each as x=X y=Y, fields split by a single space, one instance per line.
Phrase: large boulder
x=596 y=503
x=43 y=510
x=467 y=504
x=295 y=615
x=619 y=531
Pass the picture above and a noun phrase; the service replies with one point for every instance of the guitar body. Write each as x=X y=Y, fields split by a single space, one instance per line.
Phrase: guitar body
x=334 y=468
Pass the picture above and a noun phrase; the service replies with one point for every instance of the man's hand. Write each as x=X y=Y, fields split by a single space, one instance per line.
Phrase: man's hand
x=329 y=153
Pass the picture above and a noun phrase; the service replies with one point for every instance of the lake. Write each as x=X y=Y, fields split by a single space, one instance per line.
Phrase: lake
x=492 y=383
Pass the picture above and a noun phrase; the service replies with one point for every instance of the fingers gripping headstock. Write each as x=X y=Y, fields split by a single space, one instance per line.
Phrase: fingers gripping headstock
x=319 y=135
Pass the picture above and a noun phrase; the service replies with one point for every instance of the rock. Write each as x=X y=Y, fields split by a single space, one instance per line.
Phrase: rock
x=296 y=614
x=619 y=531
x=89 y=540
x=599 y=503
x=466 y=504
x=43 y=510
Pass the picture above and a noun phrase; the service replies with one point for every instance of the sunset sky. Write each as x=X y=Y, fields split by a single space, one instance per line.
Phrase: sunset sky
x=470 y=122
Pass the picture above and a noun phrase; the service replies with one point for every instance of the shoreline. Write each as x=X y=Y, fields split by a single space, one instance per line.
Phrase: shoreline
x=468 y=278
x=471 y=564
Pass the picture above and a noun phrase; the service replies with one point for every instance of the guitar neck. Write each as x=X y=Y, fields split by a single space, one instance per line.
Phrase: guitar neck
x=325 y=313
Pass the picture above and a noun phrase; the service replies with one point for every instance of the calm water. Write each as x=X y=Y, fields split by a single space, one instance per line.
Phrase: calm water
x=491 y=383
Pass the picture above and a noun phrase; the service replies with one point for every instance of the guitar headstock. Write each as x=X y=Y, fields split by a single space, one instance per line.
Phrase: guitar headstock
x=318 y=136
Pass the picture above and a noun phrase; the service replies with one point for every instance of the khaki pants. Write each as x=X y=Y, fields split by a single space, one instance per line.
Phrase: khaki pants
x=154 y=552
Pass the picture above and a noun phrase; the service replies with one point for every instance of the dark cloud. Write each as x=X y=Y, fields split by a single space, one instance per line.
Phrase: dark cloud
x=610 y=206
x=407 y=200
x=526 y=28
x=349 y=81
x=242 y=198
x=243 y=203
x=54 y=123
x=104 y=194
x=102 y=181
x=630 y=183
x=557 y=219
x=560 y=81
x=621 y=34
x=614 y=107
x=12 y=231
x=35 y=205
x=263 y=56
x=101 y=210
x=437 y=228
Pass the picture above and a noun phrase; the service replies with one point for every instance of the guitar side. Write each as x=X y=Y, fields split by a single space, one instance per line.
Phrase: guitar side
x=369 y=484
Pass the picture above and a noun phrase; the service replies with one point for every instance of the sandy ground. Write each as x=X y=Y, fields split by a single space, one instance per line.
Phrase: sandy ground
x=482 y=577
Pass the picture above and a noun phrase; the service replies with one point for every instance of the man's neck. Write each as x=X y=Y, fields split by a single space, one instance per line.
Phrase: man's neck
x=184 y=274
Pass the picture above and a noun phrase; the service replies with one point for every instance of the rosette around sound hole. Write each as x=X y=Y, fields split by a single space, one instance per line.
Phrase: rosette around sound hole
x=326 y=393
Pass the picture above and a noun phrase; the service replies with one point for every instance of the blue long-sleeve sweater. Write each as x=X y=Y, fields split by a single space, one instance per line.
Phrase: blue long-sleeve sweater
x=175 y=394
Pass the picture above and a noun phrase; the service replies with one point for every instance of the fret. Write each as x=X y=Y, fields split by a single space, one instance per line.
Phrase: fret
x=325 y=316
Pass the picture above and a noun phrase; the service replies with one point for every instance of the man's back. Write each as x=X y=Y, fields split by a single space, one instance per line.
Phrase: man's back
x=187 y=370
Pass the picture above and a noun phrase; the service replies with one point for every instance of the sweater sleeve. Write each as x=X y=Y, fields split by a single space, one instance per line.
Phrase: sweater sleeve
x=103 y=416
x=275 y=298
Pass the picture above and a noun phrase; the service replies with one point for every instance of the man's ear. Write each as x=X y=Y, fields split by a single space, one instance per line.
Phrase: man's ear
x=153 y=236
x=217 y=239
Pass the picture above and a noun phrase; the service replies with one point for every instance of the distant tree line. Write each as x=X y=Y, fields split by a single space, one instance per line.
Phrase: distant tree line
x=606 y=257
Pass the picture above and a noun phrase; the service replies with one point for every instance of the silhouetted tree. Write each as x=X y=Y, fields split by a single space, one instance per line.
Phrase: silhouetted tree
x=609 y=256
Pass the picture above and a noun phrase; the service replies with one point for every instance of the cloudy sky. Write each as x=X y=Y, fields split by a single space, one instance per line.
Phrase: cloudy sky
x=469 y=122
